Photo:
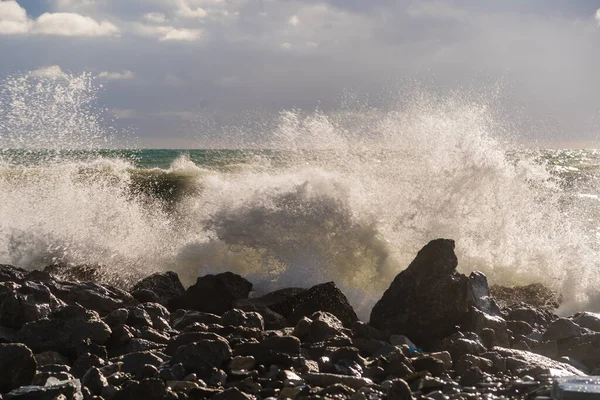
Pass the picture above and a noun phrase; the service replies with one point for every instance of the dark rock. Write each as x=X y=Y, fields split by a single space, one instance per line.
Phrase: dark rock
x=213 y=293
x=202 y=356
x=159 y=315
x=427 y=363
x=138 y=317
x=272 y=319
x=50 y=358
x=138 y=344
x=324 y=297
x=399 y=365
x=476 y=321
x=17 y=366
x=324 y=326
x=187 y=338
x=231 y=394
x=533 y=316
x=8 y=273
x=100 y=298
x=134 y=363
x=147 y=389
x=66 y=328
x=523 y=363
x=462 y=346
x=399 y=390
x=519 y=327
x=30 y=302
x=429 y=299
x=324 y=380
x=588 y=320
x=180 y=319
x=66 y=390
x=94 y=381
x=562 y=328
x=471 y=376
x=166 y=286
x=363 y=330
x=84 y=363
x=241 y=318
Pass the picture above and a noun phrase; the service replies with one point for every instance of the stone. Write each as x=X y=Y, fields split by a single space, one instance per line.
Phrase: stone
x=213 y=293
x=202 y=356
x=427 y=363
x=477 y=321
x=399 y=390
x=324 y=326
x=166 y=286
x=30 y=302
x=324 y=297
x=444 y=357
x=562 y=328
x=232 y=394
x=324 y=380
x=181 y=319
x=134 y=363
x=519 y=327
x=49 y=358
x=94 y=381
x=17 y=366
x=399 y=340
x=100 y=298
x=8 y=273
x=588 y=320
x=84 y=362
x=189 y=337
x=269 y=346
x=429 y=299
x=523 y=363
x=147 y=389
x=242 y=363
x=363 y=330
x=271 y=319
x=248 y=319
x=54 y=389
x=65 y=329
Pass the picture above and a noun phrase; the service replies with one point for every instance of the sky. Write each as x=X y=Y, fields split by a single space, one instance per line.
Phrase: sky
x=168 y=66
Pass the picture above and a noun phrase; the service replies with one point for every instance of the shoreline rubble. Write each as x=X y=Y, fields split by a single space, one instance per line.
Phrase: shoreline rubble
x=434 y=334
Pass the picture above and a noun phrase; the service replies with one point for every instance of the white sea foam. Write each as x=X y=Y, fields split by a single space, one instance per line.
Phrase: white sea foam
x=355 y=197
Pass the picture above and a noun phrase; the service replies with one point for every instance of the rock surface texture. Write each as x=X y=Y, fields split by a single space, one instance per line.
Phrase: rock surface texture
x=64 y=337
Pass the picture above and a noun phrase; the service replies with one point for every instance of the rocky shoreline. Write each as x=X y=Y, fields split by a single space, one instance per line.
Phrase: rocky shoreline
x=435 y=334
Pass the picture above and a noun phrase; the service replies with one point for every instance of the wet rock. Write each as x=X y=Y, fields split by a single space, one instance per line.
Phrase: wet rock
x=562 y=328
x=65 y=329
x=147 y=389
x=324 y=380
x=522 y=363
x=213 y=293
x=94 y=381
x=8 y=273
x=50 y=358
x=399 y=390
x=100 y=298
x=84 y=363
x=477 y=321
x=429 y=299
x=588 y=320
x=54 y=389
x=324 y=326
x=324 y=297
x=202 y=356
x=531 y=315
x=249 y=319
x=30 y=302
x=189 y=337
x=166 y=286
x=17 y=366
x=181 y=319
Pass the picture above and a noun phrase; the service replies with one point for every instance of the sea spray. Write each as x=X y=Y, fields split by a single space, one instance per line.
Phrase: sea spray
x=343 y=196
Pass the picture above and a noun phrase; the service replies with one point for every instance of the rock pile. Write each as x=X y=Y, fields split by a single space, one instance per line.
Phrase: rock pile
x=435 y=334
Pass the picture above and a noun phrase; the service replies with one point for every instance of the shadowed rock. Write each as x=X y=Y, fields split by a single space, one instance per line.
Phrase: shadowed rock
x=429 y=299
x=165 y=286
x=17 y=366
x=213 y=293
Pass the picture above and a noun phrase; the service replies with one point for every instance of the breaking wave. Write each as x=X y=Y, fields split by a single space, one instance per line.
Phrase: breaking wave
x=345 y=196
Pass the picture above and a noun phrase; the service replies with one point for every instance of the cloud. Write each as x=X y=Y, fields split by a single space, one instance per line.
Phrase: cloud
x=124 y=113
x=117 y=76
x=597 y=16
x=14 y=20
x=167 y=33
x=51 y=72
x=155 y=17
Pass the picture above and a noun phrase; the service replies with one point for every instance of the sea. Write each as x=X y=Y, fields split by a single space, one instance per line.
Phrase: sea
x=348 y=197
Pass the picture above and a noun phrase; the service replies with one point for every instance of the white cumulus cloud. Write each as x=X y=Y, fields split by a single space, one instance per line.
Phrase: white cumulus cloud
x=51 y=72
x=14 y=20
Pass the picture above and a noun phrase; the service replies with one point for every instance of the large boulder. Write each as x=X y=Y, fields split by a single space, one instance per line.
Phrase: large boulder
x=324 y=297
x=429 y=299
x=213 y=293
x=64 y=330
x=17 y=366
x=165 y=286
x=100 y=298
x=30 y=302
